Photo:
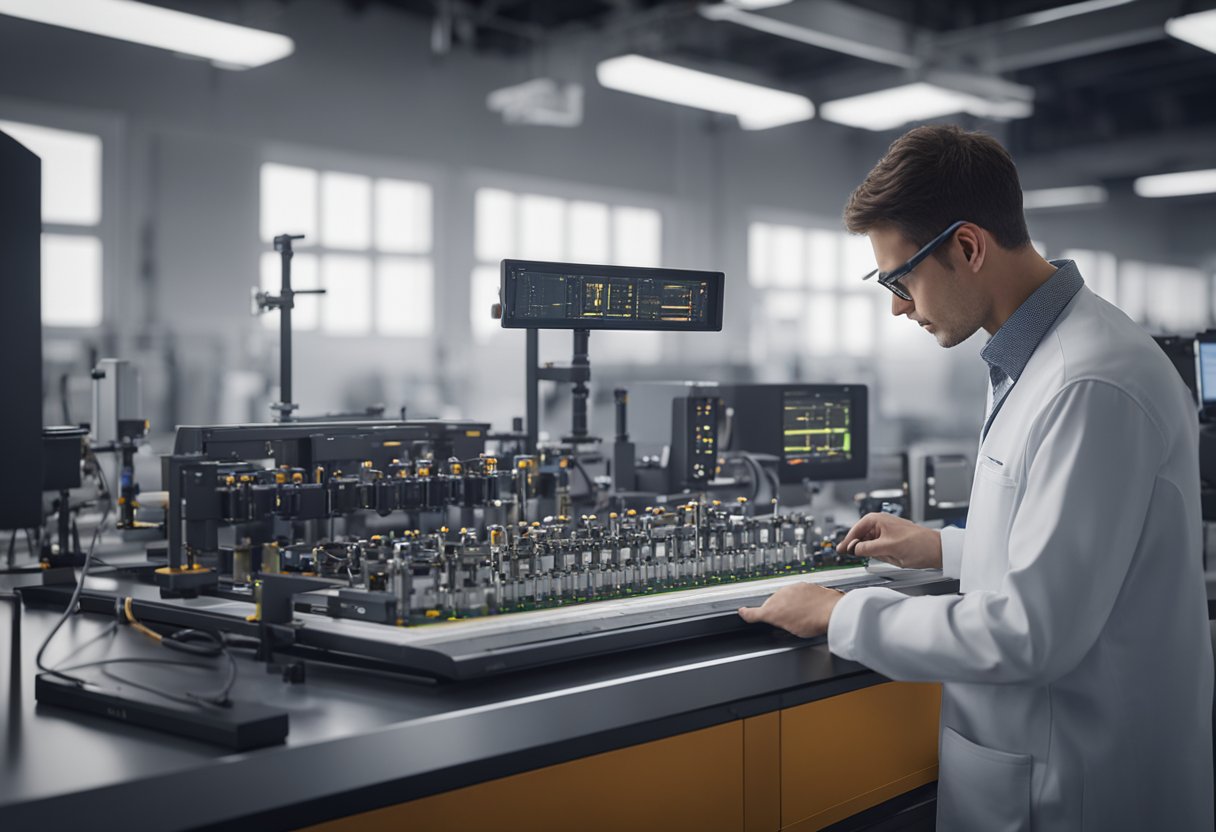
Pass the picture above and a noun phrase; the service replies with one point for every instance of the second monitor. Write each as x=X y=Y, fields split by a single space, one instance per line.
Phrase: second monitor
x=816 y=431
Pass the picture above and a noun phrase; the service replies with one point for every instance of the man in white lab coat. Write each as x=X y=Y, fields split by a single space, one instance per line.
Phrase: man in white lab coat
x=1076 y=661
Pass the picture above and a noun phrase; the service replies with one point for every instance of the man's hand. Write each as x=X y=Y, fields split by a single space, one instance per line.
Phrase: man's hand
x=894 y=540
x=803 y=609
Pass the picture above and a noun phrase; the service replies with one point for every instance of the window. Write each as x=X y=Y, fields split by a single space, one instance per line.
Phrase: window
x=367 y=242
x=537 y=227
x=71 y=222
x=1099 y=269
x=812 y=298
x=1167 y=299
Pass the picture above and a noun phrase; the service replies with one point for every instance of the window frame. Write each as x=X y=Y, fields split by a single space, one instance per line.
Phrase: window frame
x=568 y=192
x=807 y=223
x=111 y=130
x=372 y=166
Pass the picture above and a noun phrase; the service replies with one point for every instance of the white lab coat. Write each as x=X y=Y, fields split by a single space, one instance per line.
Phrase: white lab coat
x=1076 y=662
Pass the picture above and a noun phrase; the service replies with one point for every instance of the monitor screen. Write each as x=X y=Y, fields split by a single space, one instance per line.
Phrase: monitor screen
x=1205 y=353
x=581 y=296
x=816 y=431
x=816 y=426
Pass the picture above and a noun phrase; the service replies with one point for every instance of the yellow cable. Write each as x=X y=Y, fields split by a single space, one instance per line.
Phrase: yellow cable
x=134 y=622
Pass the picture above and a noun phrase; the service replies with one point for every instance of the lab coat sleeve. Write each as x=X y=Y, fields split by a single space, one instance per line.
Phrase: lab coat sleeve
x=1091 y=463
x=952 y=551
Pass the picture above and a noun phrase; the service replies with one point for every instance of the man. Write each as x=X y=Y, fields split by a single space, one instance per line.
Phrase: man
x=1076 y=661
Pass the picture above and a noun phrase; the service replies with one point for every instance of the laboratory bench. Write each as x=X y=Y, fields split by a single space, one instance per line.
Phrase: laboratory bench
x=750 y=730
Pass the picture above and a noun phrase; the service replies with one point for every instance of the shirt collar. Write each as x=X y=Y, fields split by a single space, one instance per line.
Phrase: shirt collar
x=1009 y=350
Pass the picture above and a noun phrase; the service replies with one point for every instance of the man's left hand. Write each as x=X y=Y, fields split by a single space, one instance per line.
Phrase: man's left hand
x=803 y=609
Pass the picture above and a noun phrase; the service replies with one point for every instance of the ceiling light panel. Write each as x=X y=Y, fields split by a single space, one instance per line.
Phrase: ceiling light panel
x=757 y=107
x=894 y=107
x=1061 y=197
x=753 y=5
x=227 y=45
x=1183 y=183
x=1197 y=29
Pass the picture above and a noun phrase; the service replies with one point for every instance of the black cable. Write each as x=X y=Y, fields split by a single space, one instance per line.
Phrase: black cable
x=757 y=475
x=232 y=640
x=591 y=489
x=217 y=697
x=108 y=631
x=187 y=641
x=772 y=480
x=71 y=607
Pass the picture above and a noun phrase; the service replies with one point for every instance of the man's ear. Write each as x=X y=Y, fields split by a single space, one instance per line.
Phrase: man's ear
x=973 y=241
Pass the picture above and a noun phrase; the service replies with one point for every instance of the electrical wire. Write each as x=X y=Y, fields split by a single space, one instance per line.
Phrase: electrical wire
x=70 y=609
x=591 y=489
x=757 y=475
x=186 y=641
x=183 y=642
x=218 y=697
x=772 y=481
x=759 y=472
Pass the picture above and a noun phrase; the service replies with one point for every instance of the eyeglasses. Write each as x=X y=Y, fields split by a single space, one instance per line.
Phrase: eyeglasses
x=891 y=279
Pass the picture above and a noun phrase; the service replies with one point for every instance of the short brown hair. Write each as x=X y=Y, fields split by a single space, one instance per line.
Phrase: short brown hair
x=934 y=175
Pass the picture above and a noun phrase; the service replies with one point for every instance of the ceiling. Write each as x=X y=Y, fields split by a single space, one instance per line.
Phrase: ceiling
x=1099 y=76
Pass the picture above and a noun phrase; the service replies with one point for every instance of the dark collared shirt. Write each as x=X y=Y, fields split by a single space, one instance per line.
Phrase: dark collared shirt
x=1009 y=350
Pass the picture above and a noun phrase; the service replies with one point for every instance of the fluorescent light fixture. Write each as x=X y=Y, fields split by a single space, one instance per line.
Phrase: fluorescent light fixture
x=1183 y=183
x=757 y=107
x=753 y=5
x=1064 y=12
x=225 y=44
x=1060 y=197
x=896 y=106
x=1198 y=29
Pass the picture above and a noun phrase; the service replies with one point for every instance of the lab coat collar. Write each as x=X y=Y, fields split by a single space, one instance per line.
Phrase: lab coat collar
x=1009 y=350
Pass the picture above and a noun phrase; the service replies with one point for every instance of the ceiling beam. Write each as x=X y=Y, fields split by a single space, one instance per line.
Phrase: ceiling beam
x=829 y=24
x=983 y=53
x=1011 y=49
x=1120 y=159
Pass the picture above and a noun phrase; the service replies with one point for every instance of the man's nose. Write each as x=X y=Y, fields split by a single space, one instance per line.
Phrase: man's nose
x=899 y=306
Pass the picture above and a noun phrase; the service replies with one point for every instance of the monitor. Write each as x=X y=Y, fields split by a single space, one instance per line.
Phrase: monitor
x=1180 y=350
x=817 y=431
x=543 y=295
x=1205 y=369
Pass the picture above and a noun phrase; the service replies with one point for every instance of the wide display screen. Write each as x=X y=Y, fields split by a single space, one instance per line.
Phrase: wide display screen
x=584 y=296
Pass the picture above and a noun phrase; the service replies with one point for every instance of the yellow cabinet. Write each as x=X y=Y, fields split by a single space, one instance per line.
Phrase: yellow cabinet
x=798 y=769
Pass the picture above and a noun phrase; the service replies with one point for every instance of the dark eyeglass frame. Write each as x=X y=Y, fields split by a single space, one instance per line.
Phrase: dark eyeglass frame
x=891 y=279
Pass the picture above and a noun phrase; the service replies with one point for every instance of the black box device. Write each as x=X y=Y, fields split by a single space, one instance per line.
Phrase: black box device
x=817 y=431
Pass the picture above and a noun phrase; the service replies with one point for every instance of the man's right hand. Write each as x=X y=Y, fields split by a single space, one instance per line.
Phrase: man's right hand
x=894 y=540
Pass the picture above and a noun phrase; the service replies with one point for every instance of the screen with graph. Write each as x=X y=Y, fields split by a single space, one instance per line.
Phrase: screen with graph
x=584 y=296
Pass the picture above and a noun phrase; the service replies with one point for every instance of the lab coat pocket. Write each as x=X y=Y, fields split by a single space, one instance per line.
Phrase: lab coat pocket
x=981 y=788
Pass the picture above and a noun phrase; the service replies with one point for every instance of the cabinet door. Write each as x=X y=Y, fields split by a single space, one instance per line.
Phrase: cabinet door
x=847 y=753
x=689 y=781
